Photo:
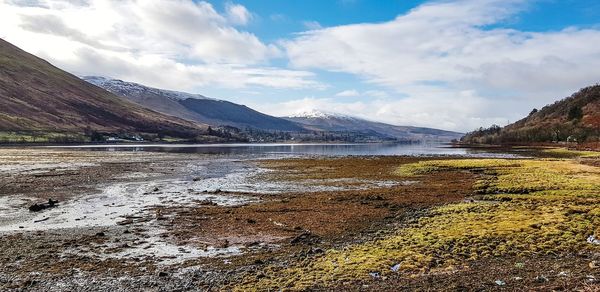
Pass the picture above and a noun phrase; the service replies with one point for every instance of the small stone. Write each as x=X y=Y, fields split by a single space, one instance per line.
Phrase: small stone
x=593 y=240
x=500 y=283
x=100 y=234
x=593 y=265
x=223 y=244
x=541 y=279
x=39 y=207
x=125 y=222
x=395 y=268
x=591 y=278
x=253 y=243
x=562 y=274
x=163 y=274
x=28 y=283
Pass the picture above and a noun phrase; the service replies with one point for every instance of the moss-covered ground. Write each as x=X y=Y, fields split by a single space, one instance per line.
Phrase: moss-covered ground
x=520 y=208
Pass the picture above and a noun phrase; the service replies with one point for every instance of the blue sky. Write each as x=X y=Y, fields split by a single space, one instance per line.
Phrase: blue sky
x=279 y=19
x=456 y=64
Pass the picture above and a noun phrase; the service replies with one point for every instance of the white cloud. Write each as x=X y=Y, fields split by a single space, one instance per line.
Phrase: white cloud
x=177 y=44
x=448 y=112
x=376 y=93
x=308 y=104
x=366 y=94
x=437 y=51
x=348 y=93
x=312 y=25
x=446 y=64
x=238 y=14
x=278 y=17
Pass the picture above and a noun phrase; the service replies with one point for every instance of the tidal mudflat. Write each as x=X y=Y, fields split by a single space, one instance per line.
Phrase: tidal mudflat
x=139 y=220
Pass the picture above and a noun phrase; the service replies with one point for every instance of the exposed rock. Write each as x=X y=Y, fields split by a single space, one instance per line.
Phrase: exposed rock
x=42 y=206
x=207 y=203
x=163 y=274
x=306 y=238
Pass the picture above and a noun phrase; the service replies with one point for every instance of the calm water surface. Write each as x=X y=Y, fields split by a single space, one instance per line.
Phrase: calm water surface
x=425 y=149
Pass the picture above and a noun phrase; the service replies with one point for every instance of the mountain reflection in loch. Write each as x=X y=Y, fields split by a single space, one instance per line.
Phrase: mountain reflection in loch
x=368 y=149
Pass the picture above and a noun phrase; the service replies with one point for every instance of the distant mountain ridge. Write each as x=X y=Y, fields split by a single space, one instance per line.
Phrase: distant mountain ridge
x=211 y=111
x=121 y=87
x=572 y=119
x=37 y=96
x=323 y=121
x=194 y=107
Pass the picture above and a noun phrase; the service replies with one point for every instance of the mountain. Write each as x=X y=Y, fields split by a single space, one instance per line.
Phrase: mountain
x=321 y=121
x=194 y=107
x=36 y=96
x=572 y=119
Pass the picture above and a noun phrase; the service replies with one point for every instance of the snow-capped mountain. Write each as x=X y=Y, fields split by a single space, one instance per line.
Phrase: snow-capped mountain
x=315 y=114
x=121 y=87
x=193 y=107
x=210 y=111
x=324 y=121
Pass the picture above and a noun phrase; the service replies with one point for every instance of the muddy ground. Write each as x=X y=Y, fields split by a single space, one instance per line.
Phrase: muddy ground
x=212 y=226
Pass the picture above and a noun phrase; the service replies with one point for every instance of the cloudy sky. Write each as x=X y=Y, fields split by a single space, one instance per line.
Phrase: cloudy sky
x=454 y=65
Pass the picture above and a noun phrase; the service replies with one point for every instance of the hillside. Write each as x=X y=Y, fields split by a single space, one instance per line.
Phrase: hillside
x=572 y=119
x=194 y=107
x=319 y=121
x=36 y=96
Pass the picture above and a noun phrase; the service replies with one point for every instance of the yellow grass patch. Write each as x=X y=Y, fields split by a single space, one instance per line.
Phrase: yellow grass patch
x=529 y=206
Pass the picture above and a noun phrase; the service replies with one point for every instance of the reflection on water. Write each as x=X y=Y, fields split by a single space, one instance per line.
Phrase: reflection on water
x=424 y=149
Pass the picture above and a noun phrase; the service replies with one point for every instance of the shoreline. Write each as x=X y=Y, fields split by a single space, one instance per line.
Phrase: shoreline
x=292 y=213
x=197 y=144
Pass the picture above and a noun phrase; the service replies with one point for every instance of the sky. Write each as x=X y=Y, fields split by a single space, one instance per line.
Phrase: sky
x=455 y=64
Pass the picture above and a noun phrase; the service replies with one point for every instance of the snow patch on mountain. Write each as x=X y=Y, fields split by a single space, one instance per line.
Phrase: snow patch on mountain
x=120 y=87
x=315 y=114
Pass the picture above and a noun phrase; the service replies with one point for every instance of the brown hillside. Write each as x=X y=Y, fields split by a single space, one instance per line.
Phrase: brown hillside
x=572 y=119
x=36 y=96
